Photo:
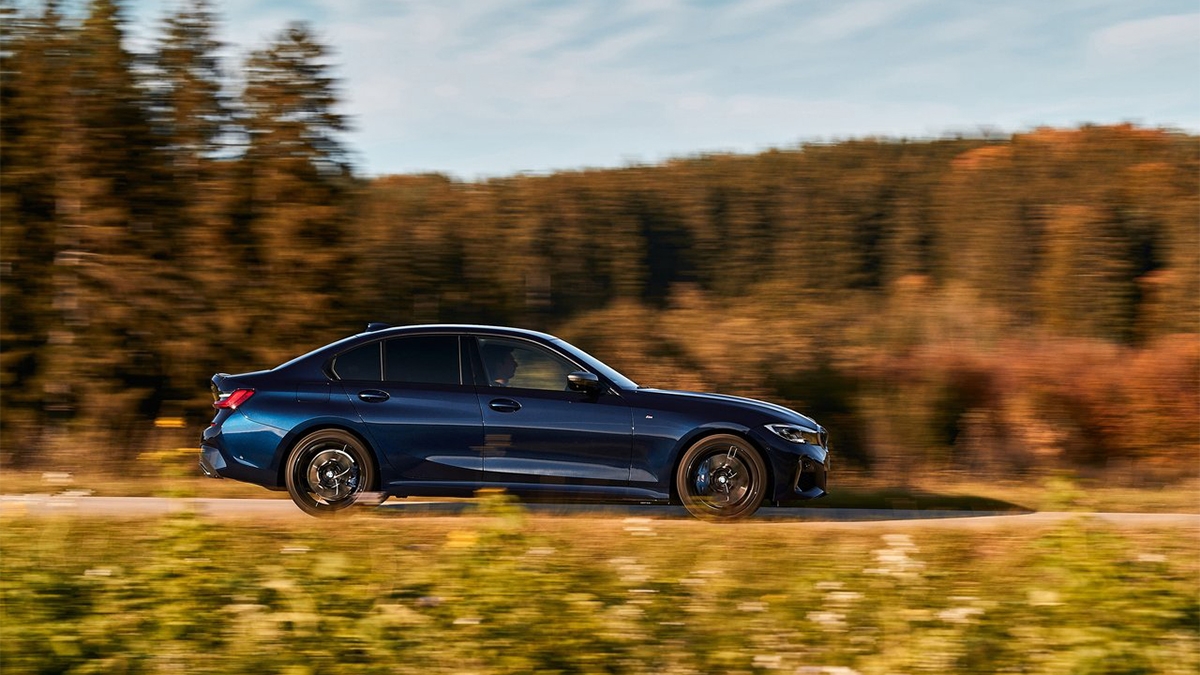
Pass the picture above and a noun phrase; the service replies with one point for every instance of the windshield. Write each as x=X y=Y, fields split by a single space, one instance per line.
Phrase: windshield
x=596 y=364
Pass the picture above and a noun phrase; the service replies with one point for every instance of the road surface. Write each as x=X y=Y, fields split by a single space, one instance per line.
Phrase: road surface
x=86 y=505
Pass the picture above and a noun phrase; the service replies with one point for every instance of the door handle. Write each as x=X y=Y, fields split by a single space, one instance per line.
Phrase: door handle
x=373 y=396
x=504 y=405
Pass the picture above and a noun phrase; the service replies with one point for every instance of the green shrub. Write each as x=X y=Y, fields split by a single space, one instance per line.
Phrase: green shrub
x=500 y=591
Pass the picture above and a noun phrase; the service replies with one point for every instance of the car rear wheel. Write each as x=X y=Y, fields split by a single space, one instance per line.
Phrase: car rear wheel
x=721 y=478
x=327 y=471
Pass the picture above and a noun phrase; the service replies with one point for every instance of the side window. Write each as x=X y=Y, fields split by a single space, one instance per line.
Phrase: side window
x=360 y=363
x=425 y=359
x=514 y=363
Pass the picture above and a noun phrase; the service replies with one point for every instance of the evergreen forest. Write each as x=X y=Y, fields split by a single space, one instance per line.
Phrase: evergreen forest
x=991 y=305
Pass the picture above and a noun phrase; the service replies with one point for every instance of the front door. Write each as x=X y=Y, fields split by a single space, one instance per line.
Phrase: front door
x=538 y=432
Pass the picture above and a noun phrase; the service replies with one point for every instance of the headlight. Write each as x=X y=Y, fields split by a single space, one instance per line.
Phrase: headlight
x=796 y=434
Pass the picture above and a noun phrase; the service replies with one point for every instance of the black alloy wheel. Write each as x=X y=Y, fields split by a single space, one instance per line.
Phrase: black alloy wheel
x=327 y=471
x=721 y=478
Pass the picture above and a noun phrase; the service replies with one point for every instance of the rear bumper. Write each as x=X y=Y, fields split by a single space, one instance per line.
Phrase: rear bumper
x=211 y=461
x=237 y=448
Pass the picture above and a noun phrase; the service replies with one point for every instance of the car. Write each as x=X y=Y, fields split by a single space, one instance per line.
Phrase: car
x=448 y=410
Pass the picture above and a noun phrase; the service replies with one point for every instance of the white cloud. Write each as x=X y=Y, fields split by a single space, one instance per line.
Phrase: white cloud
x=852 y=18
x=1141 y=39
x=619 y=46
x=964 y=29
x=555 y=27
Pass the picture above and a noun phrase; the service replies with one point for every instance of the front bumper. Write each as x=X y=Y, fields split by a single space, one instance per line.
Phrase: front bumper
x=800 y=470
x=810 y=477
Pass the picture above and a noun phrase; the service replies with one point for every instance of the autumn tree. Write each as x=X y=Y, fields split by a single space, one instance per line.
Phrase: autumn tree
x=193 y=116
x=120 y=227
x=295 y=180
x=35 y=107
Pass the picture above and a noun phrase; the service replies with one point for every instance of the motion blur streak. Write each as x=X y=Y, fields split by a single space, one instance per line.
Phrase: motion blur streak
x=501 y=591
x=995 y=306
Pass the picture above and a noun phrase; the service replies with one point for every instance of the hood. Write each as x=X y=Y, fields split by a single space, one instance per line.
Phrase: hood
x=772 y=411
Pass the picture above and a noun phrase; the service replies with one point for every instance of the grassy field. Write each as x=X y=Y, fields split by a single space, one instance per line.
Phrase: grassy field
x=500 y=590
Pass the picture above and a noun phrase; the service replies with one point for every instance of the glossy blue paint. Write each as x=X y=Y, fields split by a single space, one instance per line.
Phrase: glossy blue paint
x=424 y=432
x=621 y=443
x=251 y=443
x=565 y=437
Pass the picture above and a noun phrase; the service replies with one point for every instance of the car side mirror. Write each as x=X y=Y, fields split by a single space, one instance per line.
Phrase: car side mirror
x=581 y=380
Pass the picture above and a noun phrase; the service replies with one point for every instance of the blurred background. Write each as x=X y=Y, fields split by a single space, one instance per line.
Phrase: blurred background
x=991 y=305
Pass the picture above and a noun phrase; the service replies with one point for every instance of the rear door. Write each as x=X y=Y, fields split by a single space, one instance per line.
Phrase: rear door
x=411 y=395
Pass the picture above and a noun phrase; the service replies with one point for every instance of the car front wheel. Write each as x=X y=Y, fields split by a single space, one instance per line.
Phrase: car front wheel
x=721 y=478
x=327 y=471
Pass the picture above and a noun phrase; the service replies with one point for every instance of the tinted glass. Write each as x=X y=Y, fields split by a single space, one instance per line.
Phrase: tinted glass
x=427 y=359
x=360 y=363
x=513 y=363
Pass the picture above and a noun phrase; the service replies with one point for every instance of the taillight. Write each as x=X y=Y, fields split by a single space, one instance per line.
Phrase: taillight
x=232 y=401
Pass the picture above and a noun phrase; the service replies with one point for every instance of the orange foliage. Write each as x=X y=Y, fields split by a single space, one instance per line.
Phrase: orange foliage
x=1107 y=401
x=1042 y=402
x=1051 y=136
x=987 y=157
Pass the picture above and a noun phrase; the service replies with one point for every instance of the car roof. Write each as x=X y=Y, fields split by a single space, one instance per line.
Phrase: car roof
x=376 y=332
x=459 y=328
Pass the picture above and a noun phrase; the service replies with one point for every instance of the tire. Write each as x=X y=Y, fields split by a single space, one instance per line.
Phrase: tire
x=327 y=471
x=721 y=478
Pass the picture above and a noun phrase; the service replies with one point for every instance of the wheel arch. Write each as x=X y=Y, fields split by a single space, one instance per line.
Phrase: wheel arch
x=715 y=430
x=292 y=441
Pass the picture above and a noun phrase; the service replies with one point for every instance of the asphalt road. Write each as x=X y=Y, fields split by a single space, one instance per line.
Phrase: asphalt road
x=86 y=505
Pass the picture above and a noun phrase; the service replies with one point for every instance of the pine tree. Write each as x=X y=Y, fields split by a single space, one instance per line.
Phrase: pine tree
x=191 y=109
x=34 y=100
x=296 y=178
x=194 y=122
x=118 y=233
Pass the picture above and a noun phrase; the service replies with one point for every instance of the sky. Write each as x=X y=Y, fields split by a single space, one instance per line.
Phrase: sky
x=483 y=88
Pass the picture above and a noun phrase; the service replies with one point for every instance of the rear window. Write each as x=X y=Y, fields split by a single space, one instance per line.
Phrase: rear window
x=425 y=359
x=360 y=363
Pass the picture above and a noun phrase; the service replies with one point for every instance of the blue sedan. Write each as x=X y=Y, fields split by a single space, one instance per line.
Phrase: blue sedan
x=445 y=410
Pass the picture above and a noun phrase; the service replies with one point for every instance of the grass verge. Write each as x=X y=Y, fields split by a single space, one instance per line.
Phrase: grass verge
x=503 y=591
